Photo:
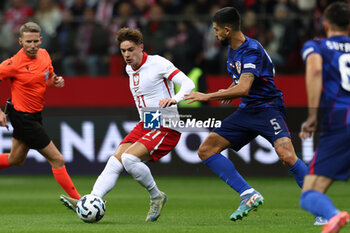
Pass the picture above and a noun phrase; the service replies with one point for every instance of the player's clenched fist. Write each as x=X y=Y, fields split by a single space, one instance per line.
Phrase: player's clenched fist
x=58 y=81
x=3 y=121
x=308 y=127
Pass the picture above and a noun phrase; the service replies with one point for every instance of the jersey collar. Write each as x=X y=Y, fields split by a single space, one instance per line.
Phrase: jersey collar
x=242 y=45
x=144 y=58
x=25 y=56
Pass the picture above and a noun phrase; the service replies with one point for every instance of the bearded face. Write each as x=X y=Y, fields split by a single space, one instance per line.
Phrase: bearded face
x=224 y=41
x=221 y=34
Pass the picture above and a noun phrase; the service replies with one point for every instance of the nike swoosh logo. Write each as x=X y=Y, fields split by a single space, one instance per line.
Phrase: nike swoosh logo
x=146 y=139
x=278 y=132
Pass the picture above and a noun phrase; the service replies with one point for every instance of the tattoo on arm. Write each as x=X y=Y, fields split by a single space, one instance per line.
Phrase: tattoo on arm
x=235 y=91
x=247 y=75
x=282 y=144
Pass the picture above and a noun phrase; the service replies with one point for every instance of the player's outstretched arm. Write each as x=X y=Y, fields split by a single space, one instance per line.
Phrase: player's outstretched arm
x=237 y=91
x=229 y=101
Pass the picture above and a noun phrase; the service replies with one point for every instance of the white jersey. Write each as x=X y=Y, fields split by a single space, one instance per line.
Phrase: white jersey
x=151 y=82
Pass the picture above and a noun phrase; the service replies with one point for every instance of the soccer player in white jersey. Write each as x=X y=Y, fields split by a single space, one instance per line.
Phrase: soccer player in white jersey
x=151 y=84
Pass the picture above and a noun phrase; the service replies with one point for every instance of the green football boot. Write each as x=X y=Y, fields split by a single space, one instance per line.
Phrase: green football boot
x=248 y=202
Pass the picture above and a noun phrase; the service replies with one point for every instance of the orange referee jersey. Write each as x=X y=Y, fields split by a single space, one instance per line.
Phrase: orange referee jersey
x=28 y=79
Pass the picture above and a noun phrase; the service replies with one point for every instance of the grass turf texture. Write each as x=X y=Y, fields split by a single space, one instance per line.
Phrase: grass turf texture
x=195 y=204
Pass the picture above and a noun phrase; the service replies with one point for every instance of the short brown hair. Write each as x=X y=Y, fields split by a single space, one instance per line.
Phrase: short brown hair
x=133 y=35
x=228 y=16
x=338 y=15
x=29 y=27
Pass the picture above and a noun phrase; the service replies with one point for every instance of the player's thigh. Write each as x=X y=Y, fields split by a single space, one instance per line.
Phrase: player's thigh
x=29 y=129
x=53 y=155
x=18 y=153
x=238 y=129
x=213 y=144
x=317 y=183
x=121 y=149
x=271 y=124
x=135 y=134
x=157 y=142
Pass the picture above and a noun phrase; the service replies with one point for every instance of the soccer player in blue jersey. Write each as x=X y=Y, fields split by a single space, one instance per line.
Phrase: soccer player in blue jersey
x=261 y=111
x=328 y=87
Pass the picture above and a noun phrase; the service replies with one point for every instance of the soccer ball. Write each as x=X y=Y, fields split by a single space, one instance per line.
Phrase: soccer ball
x=90 y=208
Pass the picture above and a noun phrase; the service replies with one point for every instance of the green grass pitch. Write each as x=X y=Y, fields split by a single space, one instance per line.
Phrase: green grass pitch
x=195 y=204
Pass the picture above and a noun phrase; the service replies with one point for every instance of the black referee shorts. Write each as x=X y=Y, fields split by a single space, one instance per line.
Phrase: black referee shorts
x=27 y=127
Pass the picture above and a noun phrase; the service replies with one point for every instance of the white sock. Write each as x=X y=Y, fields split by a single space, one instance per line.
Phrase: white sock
x=109 y=176
x=248 y=191
x=140 y=172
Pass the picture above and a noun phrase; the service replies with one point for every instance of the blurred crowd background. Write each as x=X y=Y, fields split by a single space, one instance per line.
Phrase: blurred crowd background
x=79 y=34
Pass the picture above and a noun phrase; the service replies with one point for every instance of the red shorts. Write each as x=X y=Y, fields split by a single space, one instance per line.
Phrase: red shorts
x=158 y=142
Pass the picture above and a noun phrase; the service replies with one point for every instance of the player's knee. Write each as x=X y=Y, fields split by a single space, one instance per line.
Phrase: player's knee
x=205 y=151
x=57 y=162
x=129 y=160
x=16 y=162
x=61 y=161
x=213 y=144
x=287 y=156
x=118 y=156
x=285 y=151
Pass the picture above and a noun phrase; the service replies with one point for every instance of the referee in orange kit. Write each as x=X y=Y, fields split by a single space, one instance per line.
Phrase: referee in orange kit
x=30 y=71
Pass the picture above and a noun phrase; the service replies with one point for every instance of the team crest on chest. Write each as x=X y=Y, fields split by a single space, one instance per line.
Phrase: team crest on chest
x=238 y=66
x=136 y=78
x=47 y=75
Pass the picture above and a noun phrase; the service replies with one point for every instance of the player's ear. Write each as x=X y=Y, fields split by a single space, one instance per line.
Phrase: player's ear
x=326 y=26
x=20 y=41
x=141 y=46
x=227 y=29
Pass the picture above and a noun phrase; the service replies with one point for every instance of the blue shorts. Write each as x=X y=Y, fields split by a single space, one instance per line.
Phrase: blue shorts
x=332 y=157
x=243 y=126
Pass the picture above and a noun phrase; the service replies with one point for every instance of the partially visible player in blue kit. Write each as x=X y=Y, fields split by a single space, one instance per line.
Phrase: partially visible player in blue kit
x=328 y=87
x=261 y=111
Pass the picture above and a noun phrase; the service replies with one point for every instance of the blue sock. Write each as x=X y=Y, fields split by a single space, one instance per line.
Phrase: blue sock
x=299 y=170
x=318 y=204
x=225 y=169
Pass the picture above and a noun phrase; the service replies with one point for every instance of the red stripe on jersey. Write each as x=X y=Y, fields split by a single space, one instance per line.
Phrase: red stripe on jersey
x=312 y=164
x=144 y=58
x=143 y=100
x=167 y=87
x=267 y=82
x=171 y=76
x=347 y=117
x=335 y=101
x=285 y=125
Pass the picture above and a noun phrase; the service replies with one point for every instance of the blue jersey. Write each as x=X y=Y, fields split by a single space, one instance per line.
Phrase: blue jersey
x=251 y=57
x=335 y=97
